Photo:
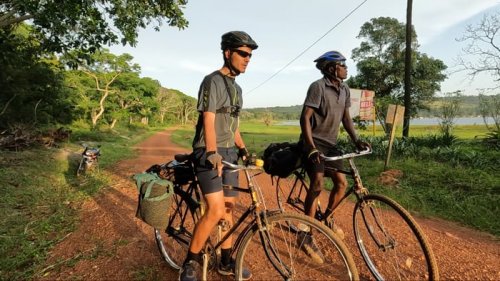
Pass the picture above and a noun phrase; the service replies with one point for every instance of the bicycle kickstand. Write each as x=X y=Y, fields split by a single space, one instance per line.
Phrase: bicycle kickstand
x=205 y=267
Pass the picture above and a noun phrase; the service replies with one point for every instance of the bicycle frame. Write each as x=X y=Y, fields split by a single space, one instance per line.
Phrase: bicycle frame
x=259 y=220
x=357 y=187
x=255 y=210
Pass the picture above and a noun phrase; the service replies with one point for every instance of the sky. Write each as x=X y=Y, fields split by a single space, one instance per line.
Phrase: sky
x=293 y=33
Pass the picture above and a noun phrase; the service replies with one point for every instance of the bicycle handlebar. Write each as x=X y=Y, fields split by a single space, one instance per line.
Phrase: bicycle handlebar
x=240 y=167
x=348 y=155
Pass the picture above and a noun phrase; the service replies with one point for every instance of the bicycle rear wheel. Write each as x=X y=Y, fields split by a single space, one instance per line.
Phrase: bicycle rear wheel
x=173 y=242
x=391 y=242
x=291 y=193
x=290 y=254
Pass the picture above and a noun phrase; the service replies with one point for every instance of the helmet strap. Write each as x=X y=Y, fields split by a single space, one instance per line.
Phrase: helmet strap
x=331 y=71
x=227 y=62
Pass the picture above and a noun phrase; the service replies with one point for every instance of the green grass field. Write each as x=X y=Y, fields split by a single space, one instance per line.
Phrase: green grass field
x=457 y=183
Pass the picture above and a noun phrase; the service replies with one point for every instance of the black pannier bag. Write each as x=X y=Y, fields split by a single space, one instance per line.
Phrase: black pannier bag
x=281 y=159
x=180 y=173
x=183 y=173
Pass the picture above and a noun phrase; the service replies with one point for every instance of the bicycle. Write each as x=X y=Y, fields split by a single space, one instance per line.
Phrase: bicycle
x=89 y=160
x=390 y=241
x=266 y=235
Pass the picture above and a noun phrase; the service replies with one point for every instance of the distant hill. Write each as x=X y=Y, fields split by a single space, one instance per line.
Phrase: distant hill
x=469 y=106
x=279 y=112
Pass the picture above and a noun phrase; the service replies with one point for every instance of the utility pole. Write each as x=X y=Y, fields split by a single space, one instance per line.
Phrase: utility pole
x=408 y=68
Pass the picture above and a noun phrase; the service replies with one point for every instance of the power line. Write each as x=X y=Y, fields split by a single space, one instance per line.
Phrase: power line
x=307 y=49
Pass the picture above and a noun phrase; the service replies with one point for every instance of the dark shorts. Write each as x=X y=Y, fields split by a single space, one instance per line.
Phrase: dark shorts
x=207 y=177
x=324 y=167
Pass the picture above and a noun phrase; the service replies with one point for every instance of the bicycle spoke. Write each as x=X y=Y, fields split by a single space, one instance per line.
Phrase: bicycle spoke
x=291 y=193
x=289 y=255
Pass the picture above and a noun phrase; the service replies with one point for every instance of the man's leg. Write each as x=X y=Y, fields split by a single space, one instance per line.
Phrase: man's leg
x=227 y=264
x=305 y=237
x=316 y=184
x=215 y=211
x=213 y=214
x=228 y=218
x=339 y=186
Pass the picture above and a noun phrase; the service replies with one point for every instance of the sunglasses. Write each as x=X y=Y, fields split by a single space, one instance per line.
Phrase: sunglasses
x=242 y=54
x=342 y=64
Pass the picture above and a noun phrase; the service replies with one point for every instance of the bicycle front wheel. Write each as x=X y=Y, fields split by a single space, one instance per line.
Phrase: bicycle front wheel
x=173 y=242
x=391 y=242
x=81 y=168
x=311 y=253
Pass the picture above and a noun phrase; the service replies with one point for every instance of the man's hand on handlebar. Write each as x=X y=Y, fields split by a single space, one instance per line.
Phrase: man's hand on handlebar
x=362 y=145
x=247 y=157
x=314 y=155
x=243 y=153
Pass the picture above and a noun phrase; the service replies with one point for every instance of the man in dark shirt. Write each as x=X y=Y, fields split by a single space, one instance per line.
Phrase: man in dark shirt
x=218 y=138
x=326 y=106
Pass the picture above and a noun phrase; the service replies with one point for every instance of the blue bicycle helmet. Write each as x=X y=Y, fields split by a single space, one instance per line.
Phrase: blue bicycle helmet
x=328 y=57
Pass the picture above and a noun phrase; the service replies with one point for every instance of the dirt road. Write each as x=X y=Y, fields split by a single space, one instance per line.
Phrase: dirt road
x=111 y=244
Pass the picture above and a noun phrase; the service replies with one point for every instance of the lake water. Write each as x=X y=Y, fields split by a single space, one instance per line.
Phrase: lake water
x=419 y=121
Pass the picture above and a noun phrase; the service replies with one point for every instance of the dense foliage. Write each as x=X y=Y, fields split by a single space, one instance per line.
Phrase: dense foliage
x=88 y=25
x=38 y=90
x=31 y=82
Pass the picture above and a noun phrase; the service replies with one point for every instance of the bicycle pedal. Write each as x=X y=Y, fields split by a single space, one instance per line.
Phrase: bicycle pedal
x=224 y=225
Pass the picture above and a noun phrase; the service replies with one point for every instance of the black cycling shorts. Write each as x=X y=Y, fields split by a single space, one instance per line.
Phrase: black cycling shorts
x=330 y=166
x=207 y=177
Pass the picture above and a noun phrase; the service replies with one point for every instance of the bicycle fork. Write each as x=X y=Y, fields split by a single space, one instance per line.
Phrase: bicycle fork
x=368 y=210
x=269 y=249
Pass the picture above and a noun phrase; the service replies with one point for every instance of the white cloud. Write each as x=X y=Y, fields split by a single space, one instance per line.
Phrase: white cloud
x=432 y=17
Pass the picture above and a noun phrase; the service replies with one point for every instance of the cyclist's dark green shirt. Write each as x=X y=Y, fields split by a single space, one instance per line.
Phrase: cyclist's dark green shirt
x=213 y=96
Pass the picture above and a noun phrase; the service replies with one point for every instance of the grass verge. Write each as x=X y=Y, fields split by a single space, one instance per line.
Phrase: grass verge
x=41 y=196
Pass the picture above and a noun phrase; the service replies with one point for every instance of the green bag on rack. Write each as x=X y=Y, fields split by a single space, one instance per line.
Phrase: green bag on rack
x=155 y=198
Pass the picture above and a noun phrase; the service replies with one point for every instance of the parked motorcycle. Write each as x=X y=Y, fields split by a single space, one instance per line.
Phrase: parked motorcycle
x=89 y=160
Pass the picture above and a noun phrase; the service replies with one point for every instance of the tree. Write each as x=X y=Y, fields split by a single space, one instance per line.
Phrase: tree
x=87 y=25
x=380 y=60
x=482 y=54
x=489 y=107
x=267 y=117
x=169 y=101
x=104 y=68
x=187 y=109
x=31 y=83
x=449 y=110
x=133 y=95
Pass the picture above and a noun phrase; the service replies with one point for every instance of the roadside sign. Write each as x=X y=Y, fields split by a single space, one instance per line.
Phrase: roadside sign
x=366 y=105
x=394 y=116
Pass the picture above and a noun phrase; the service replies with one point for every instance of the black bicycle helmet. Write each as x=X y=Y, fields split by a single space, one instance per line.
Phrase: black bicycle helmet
x=327 y=58
x=235 y=39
